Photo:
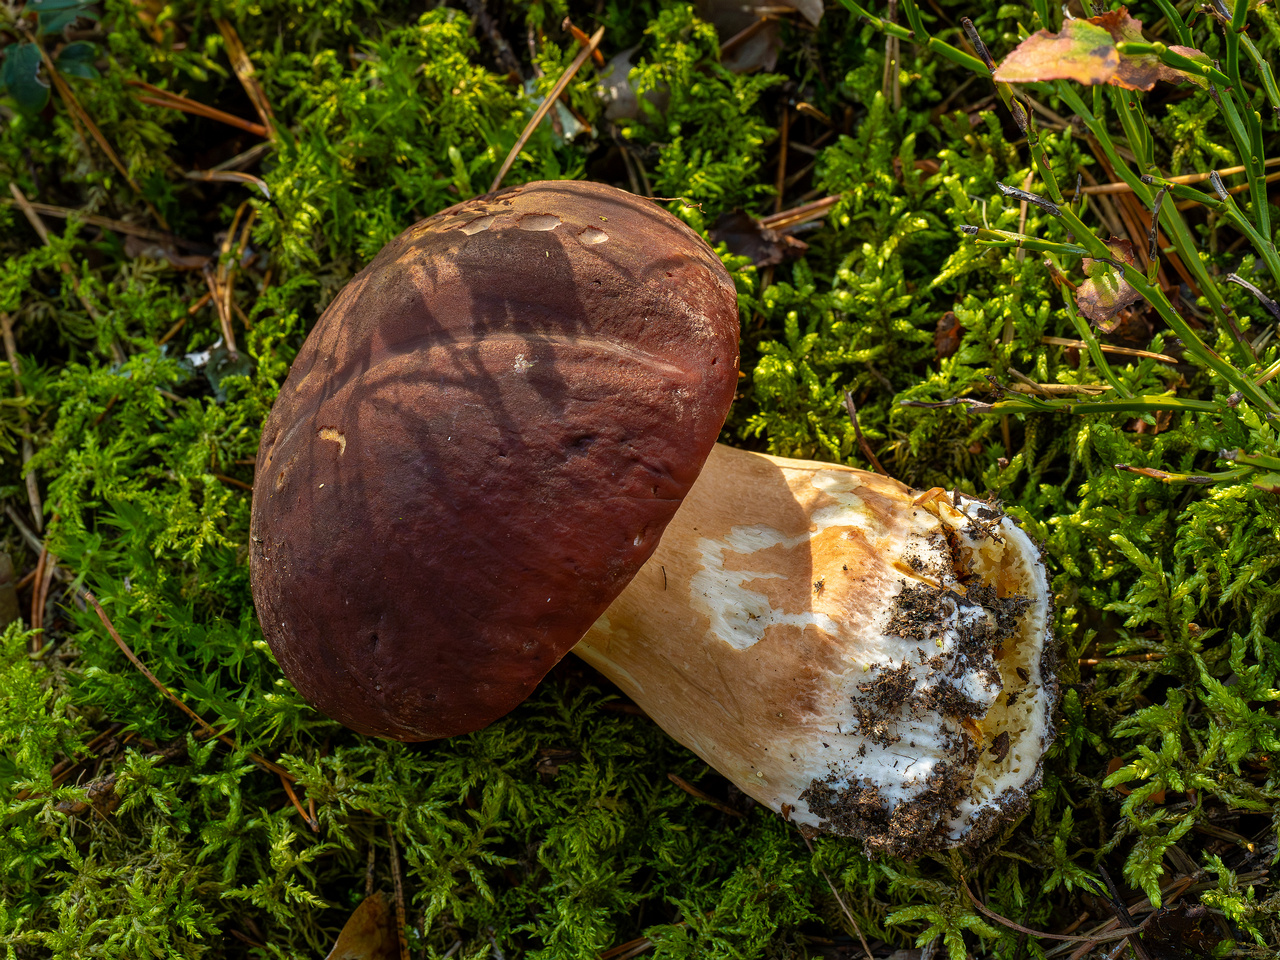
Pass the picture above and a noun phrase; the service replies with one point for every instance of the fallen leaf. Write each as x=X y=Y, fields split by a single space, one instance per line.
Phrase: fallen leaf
x=1106 y=292
x=1142 y=71
x=947 y=336
x=369 y=933
x=1180 y=932
x=744 y=235
x=760 y=51
x=1083 y=51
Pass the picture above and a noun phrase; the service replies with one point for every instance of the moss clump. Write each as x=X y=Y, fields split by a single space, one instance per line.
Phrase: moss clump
x=557 y=832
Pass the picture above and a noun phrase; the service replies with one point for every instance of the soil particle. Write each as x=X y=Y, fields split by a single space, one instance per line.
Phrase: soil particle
x=905 y=830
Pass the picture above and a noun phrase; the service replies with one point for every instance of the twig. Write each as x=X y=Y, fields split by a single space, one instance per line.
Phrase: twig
x=93 y=220
x=81 y=115
x=34 y=542
x=28 y=448
x=1108 y=348
x=1187 y=178
x=310 y=821
x=37 y=608
x=176 y=101
x=581 y=37
x=1005 y=921
x=243 y=67
x=857 y=432
x=784 y=134
x=742 y=36
x=38 y=225
x=209 y=731
x=693 y=791
x=230 y=176
x=399 y=885
x=801 y=214
x=840 y=900
x=546 y=105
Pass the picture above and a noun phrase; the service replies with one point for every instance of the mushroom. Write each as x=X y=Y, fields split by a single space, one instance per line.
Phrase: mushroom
x=866 y=660
x=478 y=446
x=481 y=444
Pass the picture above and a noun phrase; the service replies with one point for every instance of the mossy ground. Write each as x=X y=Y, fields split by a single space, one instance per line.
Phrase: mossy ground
x=557 y=832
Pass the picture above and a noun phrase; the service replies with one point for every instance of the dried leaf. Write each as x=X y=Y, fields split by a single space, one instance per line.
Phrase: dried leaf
x=744 y=235
x=1141 y=72
x=369 y=933
x=760 y=51
x=1083 y=51
x=1106 y=292
x=947 y=336
x=1184 y=930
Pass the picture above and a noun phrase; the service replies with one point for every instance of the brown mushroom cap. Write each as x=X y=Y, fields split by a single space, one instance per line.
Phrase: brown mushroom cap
x=478 y=446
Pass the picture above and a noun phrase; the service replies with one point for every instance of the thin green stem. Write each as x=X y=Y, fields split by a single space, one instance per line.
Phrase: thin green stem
x=918 y=32
x=1175 y=20
x=939 y=47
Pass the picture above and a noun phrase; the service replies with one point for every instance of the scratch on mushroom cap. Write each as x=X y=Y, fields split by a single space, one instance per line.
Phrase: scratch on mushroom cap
x=873 y=660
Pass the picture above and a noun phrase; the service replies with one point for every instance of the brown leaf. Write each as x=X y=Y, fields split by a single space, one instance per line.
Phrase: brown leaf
x=1083 y=52
x=760 y=50
x=1106 y=292
x=947 y=335
x=1141 y=72
x=369 y=933
x=744 y=235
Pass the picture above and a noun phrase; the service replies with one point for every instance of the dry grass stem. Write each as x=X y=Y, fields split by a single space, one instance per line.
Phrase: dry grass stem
x=545 y=106
x=169 y=695
x=693 y=791
x=399 y=886
x=1109 y=348
x=159 y=97
x=245 y=73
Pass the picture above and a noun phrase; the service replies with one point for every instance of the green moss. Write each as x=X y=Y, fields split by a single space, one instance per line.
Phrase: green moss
x=557 y=832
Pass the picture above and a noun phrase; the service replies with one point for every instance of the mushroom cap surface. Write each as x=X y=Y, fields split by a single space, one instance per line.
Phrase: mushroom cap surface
x=478 y=446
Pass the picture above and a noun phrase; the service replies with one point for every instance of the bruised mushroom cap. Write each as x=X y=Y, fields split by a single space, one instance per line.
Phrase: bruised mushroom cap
x=478 y=446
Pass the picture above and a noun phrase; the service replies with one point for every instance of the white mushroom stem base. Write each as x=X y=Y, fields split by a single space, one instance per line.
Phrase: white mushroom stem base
x=864 y=659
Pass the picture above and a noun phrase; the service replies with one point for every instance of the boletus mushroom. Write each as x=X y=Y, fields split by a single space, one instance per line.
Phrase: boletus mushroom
x=470 y=470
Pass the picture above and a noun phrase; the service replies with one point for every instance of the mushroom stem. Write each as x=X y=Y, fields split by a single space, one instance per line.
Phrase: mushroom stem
x=862 y=658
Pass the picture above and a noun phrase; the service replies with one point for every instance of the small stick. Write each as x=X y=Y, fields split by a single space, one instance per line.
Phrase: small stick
x=546 y=105
x=93 y=220
x=80 y=115
x=395 y=878
x=742 y=36
x=784 y=132
x=208 y=730
x=37 y=612
x=1108 y=348
x=801 y=214
x=34 y=542
x=581 y=36
x=293 y=798
x=857 y=432
x=1005 y=921
x=840 y=900
x=234 y=482
x=368 y=870
x=28 y=449
x=809 y=110
x=1187 y=178
x=693 y=791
